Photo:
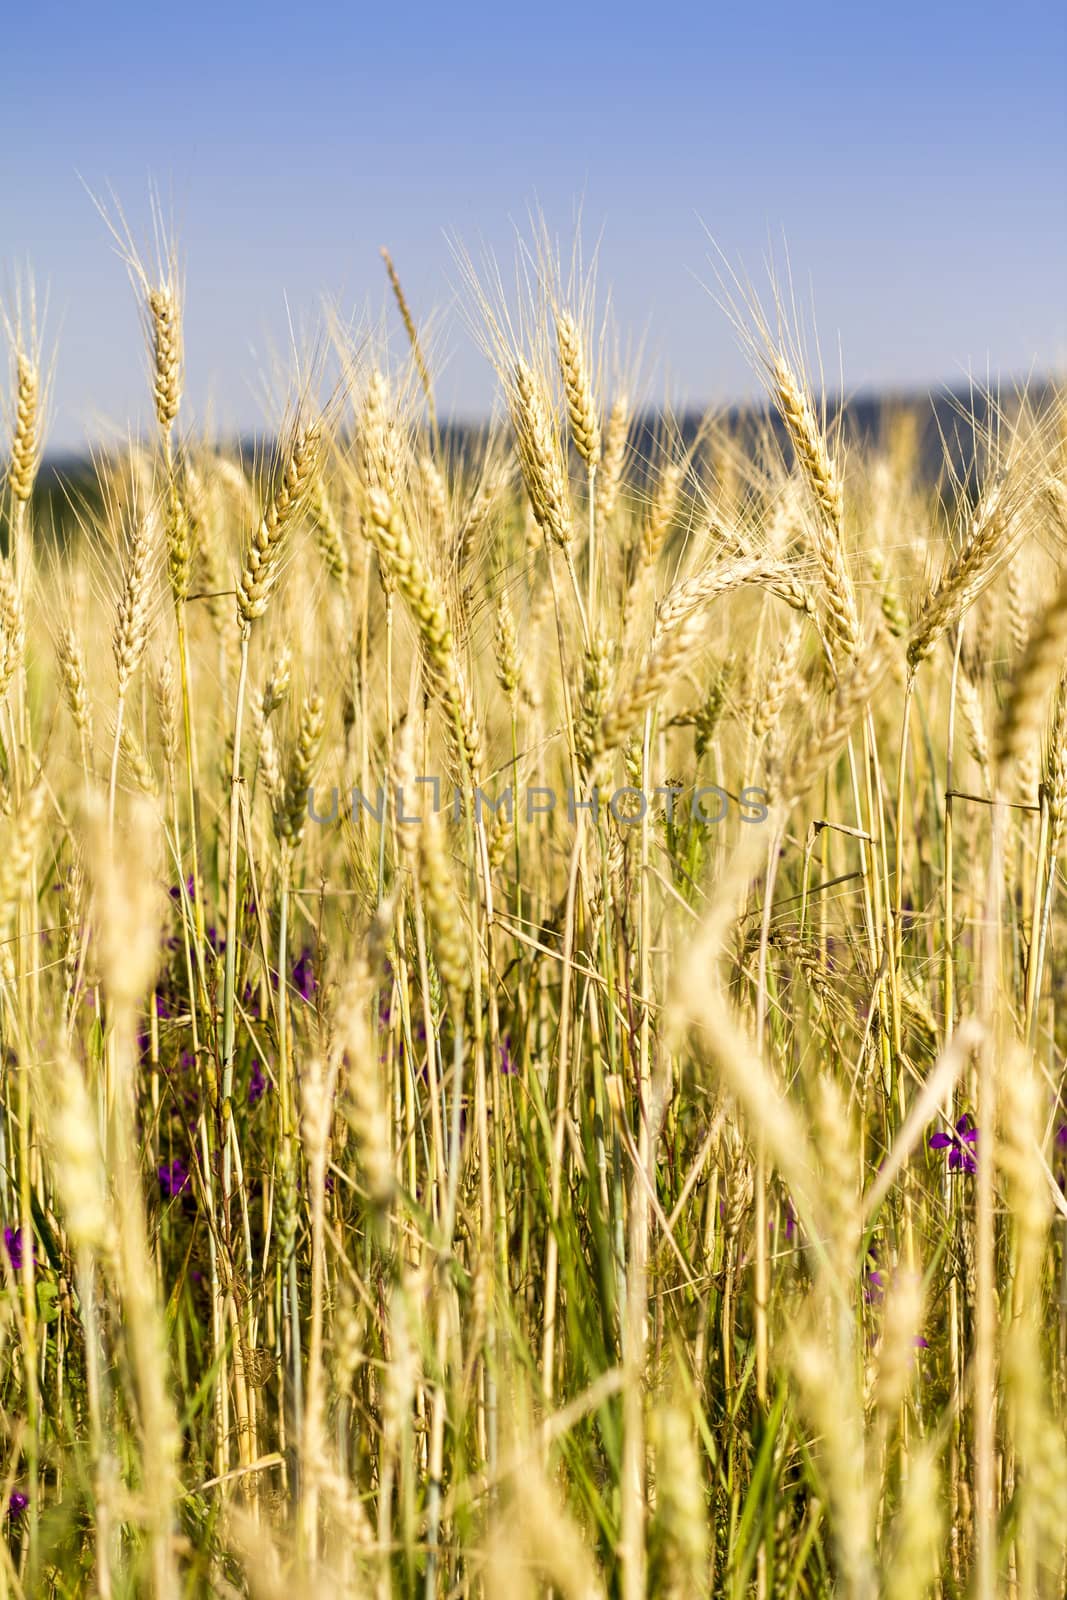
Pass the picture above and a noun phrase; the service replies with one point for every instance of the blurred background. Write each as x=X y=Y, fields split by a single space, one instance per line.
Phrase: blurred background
x=906 y=162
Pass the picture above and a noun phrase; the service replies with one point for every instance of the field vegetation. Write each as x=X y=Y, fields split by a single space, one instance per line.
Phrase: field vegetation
x=654 y=1187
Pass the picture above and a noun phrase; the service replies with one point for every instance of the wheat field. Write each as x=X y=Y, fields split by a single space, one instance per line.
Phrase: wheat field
x=531 y=984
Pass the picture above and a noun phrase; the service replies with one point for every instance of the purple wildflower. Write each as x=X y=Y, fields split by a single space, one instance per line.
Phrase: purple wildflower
x=13 y=1246
x=873 y=1280
x=16 y=1504
x=257 y=1084
x=958 y=1144
x=304 y=974
x=173 y=1177
x=507 y=1063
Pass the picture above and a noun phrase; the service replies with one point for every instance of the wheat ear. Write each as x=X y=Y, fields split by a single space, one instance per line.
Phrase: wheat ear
x=264 y=550
x=389 y=535
x=291 y=813
x=165 y=313
x=610 y=472
x=1038 y=671
x=12 y=627
x=442 y=908
x=808 y=442
x=820 y=470
x=578 y=390
x=131 y=627
x=25 y=444
x=852 y=695
x=379 y=451
x=330 y=539
x=679 y=630
x=991 y=534
x=539 y=454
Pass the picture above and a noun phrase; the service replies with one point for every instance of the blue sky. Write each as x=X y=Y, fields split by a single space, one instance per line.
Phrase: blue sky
x=911 y=157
